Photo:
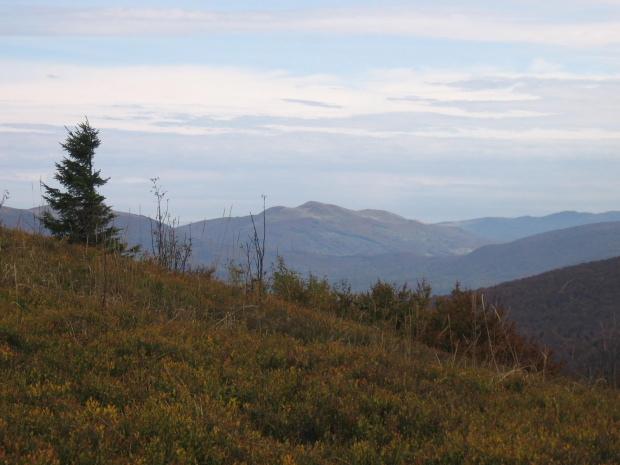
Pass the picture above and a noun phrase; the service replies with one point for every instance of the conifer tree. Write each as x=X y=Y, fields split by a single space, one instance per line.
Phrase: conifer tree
x=82 y=215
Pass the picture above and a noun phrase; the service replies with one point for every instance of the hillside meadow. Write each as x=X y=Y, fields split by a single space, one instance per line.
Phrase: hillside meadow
x=106 y=359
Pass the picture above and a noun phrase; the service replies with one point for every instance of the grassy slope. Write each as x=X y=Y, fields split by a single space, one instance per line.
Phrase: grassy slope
x=184 y=369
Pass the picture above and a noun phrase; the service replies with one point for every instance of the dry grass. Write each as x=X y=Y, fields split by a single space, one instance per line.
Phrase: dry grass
x=104 y=359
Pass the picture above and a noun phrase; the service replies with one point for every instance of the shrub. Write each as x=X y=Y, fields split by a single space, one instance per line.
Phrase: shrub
x=463 y=323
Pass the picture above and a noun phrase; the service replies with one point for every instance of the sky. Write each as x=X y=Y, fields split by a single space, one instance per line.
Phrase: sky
x=435 y=110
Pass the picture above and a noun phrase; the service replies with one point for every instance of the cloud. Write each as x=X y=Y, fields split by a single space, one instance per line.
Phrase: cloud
x=153 y=98
x=535 y=134
x=343 y=105
x=438 y=23
x=541 y=65
x=24 y=130
x=207 y=101
x=19 y=174
x=130 y=180
x=310 y=103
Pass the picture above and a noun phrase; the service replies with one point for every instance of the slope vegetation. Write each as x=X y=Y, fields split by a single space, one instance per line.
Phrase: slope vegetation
x=104 y=359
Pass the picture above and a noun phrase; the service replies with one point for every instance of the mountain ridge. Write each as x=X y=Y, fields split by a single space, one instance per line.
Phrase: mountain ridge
x=366 y=245
x=508 y=229
x=331 y=230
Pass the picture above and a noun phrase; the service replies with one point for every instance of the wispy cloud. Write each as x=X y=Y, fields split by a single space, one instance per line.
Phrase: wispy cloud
x=196 y=100
x=471 y=25
x=538 y=135
x=29 y=130
x=310 y=103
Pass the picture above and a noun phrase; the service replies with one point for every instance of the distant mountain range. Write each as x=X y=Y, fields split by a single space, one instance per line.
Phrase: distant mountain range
x=362 y=246
x=330 y=231
x=510 y=229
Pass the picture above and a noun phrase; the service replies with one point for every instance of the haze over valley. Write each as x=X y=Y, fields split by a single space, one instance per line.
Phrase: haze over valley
x=366 y=245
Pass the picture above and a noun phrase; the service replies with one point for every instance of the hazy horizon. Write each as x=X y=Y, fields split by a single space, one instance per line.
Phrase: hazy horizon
x=230 y=212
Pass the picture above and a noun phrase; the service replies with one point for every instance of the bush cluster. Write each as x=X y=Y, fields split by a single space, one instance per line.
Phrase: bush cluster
x=460 y=324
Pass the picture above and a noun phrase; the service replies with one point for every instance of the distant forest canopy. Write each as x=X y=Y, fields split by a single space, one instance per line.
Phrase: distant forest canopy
x=575 y=310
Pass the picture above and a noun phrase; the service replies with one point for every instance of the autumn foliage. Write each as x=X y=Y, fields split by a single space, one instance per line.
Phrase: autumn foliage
x=105 y=359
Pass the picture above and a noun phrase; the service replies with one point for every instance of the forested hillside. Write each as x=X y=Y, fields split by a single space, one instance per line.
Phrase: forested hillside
x=575 y=310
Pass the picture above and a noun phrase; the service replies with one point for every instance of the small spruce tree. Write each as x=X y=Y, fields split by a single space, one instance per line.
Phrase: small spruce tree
x=82 y=215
